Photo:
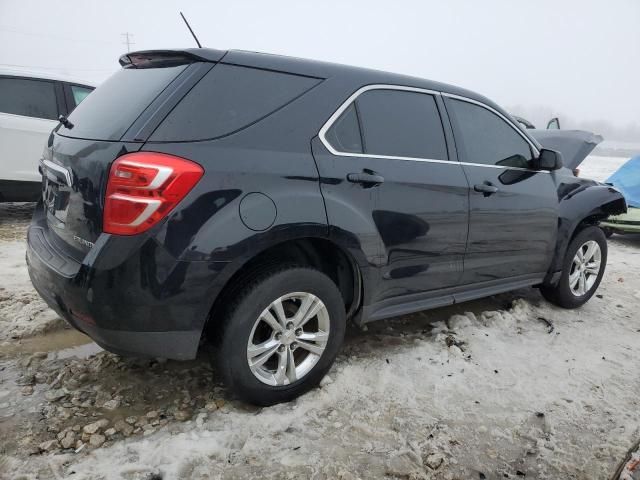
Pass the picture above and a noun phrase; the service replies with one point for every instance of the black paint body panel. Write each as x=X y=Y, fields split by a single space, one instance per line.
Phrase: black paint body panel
x=421 y=239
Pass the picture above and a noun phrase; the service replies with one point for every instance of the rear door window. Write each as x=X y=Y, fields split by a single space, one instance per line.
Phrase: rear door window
x=230 y=98
x=401 y=124
x=111 y=108
x=29 y=98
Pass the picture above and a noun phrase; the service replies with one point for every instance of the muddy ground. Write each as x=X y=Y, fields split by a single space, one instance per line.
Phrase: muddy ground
x=505 y=387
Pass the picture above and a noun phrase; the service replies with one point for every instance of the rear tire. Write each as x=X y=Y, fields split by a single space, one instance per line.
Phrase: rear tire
x=268 y=319
x=582 y=270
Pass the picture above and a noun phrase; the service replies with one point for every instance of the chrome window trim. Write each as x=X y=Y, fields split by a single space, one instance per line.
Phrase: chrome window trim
x=379 y=86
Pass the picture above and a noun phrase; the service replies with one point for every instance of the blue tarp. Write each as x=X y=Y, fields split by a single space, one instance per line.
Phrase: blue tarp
x=627 y=180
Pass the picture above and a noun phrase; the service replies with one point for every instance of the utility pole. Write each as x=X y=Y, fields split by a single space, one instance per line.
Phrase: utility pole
x=128 y=40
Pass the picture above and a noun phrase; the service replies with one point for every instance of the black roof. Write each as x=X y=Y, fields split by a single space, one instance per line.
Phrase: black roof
x=354 y=76
x=321 y=69
x=313 y=68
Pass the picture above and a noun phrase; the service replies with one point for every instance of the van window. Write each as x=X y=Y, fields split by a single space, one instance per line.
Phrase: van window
x=401 y=124
x=79 y=94
x=30 y=98
x=483 y=137
x=227 y=99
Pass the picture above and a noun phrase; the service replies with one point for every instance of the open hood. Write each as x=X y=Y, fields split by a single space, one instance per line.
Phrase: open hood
x=574 y=145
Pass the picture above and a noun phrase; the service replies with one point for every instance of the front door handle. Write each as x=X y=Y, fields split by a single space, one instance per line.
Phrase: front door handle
x=367 y=179
x=486 y=188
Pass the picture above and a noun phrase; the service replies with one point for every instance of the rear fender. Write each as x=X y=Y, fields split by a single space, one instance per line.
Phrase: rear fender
x=581 y=204
x=228 y=273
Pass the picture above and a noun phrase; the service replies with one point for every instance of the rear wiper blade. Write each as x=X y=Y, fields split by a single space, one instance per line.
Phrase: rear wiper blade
x=65 y=121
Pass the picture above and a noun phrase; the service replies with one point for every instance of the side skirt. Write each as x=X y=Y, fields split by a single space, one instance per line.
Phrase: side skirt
x=439 y=298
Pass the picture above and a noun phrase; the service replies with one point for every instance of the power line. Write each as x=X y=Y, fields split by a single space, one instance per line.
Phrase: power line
x=127 y=40
x=46 y=35
x=59 y=68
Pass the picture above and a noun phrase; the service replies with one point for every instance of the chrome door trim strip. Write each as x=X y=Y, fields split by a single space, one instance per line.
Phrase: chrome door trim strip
x=327 y=125
x=378 y=86
x=58 y=168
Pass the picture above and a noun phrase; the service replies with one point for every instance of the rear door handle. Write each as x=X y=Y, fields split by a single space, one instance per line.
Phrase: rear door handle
x=368 y=179
x=487 y=188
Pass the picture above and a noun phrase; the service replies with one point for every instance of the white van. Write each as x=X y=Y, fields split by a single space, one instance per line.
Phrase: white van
x=30 y=104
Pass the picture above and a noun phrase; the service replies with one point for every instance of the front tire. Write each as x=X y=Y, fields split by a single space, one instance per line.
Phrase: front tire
x=281 y=335
x=582 y=270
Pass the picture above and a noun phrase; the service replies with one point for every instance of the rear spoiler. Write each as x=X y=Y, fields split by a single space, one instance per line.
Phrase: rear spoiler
x=170 y=58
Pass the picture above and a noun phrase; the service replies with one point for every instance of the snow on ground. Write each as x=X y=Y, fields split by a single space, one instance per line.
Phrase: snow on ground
x=440 y=394
x=22 y=311
x=505 y=387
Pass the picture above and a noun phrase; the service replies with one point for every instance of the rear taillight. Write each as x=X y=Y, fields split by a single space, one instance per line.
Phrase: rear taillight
x=143 y=188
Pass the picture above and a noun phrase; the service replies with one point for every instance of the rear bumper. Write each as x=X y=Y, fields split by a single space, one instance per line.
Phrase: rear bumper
x=128 y=294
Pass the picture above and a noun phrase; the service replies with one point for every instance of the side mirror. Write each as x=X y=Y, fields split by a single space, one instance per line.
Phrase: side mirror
x=548 y=160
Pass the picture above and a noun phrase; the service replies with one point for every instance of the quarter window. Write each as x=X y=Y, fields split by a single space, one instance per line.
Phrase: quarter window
x=344 y=134
x=486 y=138
x=228 y=99
x=30 y=98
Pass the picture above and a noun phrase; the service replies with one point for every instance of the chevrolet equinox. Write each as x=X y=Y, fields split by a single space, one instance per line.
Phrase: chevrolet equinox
x=259 y=202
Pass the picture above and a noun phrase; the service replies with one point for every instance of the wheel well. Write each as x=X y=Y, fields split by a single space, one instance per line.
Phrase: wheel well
x=318 y=253
x=590 y=221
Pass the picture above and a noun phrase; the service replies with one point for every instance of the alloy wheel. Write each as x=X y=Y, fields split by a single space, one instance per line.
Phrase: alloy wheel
x=585 y=268
x=288 y=338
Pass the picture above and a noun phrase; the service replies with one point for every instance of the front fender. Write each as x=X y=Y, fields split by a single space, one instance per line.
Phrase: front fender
x=583 y=203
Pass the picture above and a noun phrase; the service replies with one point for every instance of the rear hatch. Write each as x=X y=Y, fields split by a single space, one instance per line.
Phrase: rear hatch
x=113 y=120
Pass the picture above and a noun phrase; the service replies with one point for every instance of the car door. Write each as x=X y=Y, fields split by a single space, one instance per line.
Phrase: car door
x=28 y=113
x=393 y=188
x=513 y=207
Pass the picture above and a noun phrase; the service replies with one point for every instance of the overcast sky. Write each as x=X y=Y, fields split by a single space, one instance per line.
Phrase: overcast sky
x=580 y=58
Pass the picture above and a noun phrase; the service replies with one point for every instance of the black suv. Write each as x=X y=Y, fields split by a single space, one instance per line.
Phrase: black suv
x=266 y=200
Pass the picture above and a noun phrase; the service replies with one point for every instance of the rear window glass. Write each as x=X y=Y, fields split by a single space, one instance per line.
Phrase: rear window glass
x=111 y=108
x=229 y=98
x=30 y=98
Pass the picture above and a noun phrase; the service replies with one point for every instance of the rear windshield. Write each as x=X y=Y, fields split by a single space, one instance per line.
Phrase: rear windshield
x=111 y=108
x=230 y=98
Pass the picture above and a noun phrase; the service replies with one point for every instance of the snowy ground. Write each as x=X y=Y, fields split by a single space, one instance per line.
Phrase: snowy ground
x=506 y=387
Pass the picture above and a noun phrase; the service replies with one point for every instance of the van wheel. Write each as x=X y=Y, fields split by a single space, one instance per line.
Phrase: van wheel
x=582 y=270
x=281 y=335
